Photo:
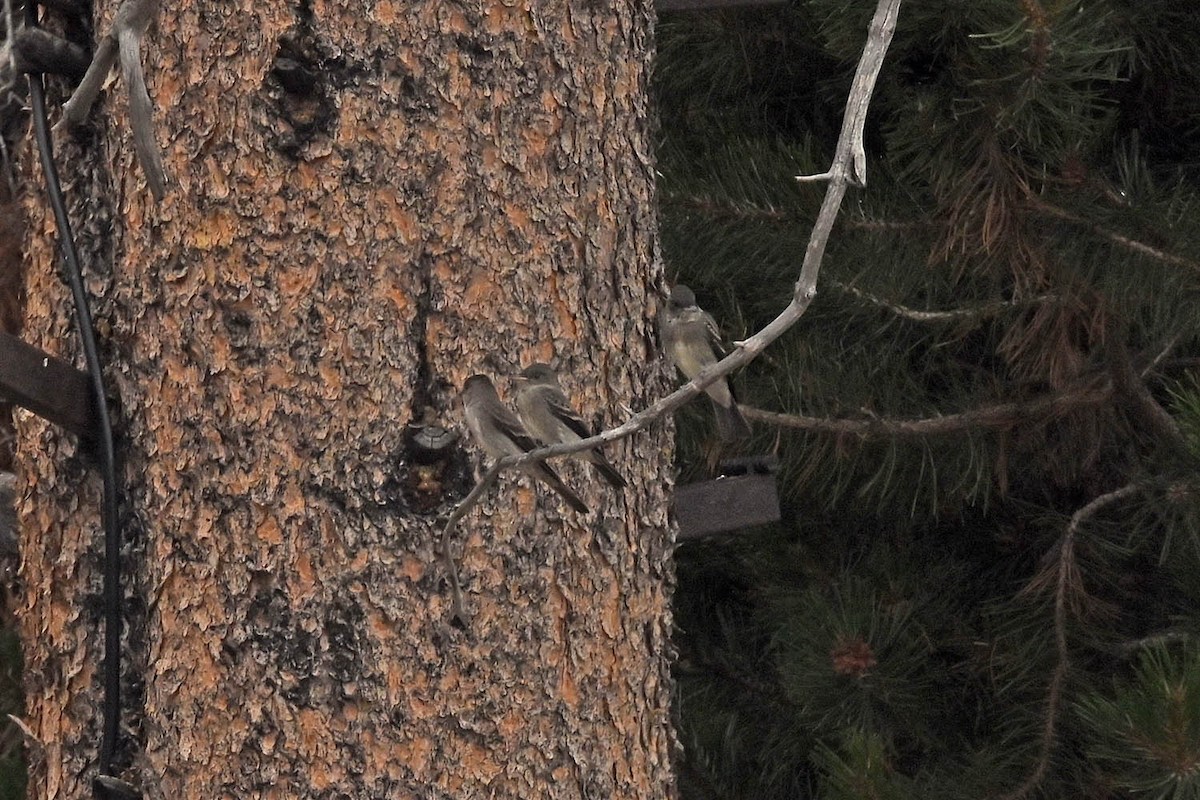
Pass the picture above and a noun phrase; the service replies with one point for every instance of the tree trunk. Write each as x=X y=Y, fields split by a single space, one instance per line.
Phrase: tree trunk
x=368 y=201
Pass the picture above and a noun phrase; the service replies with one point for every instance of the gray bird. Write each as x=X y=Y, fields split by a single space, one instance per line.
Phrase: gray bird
x=498 y=431
x=548 y=415
x=692 y=342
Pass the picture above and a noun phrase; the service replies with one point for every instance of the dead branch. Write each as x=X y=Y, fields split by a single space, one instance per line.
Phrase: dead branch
x=123 y=40
x=846 y=166
x=1067 y=584
x=849 y=166
x=1113 y=236
x=457 y=609
x=1131 y=386
x=1002 y=415
x=950 y=315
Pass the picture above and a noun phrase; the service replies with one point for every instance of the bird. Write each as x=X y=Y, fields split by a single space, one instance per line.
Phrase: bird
x=548 y=415
x=692 y=342
x=500 y=434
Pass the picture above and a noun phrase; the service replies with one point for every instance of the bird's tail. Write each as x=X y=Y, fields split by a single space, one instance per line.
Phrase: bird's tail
x=606 y=470
x=731 y=425
x=551 y=479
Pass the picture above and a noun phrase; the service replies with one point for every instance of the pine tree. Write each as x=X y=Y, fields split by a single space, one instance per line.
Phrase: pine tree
x=985 y=582
x=367 y=203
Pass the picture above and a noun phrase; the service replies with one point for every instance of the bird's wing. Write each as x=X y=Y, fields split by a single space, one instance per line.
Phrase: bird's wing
x=511 y=427
x=562 y=411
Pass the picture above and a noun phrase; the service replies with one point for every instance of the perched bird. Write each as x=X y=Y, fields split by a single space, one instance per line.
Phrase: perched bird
x=548 y=415
x=692 y=341
x=500 y=434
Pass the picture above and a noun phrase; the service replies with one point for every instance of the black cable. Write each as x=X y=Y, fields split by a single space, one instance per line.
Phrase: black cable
x=104 y=436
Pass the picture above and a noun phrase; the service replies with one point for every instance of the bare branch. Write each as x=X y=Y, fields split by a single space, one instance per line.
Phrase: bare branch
x=1113 y=236
x=10 y=35
x=124 y=39
x=141 y=112
x=1130 y=384
x=1003 y=415
x=974 y=312
x=866 y=224
x=25 y=730
x=1127 y=649
x=840 y=174
x=1162 y=355
x=458 y=611
x=1066 y=585
x=849 y=165
x=850 y=141
x=75 y=110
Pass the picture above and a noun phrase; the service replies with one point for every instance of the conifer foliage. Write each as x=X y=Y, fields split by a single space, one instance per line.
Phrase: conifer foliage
x=987 y=579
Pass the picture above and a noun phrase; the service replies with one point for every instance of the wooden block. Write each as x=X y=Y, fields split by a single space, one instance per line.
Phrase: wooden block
x=727 y=503
x=46 y=385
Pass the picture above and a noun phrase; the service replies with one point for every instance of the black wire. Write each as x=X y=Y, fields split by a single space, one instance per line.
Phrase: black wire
x=104 y=436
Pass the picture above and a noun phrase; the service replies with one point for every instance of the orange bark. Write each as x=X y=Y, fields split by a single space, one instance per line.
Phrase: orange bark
x=449 y=190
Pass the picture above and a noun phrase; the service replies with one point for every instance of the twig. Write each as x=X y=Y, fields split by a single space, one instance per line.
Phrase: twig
x=1127 y=649
x=1130 y=384
x=124 y=40
x=76 y=108
x=998 y=416
x=850 y=141
x=1182 y=362
x=458 y=611
x=975 y=312
x=1162 y=355
x=849 y=165
x=740 y=210
x=1112 y=236
x=1066 y=582
x=25 y=729
x=10 y=35
x=865 y=224
x=141 y=111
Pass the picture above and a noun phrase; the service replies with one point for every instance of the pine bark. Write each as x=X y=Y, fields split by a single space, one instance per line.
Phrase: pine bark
x=368 y=201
